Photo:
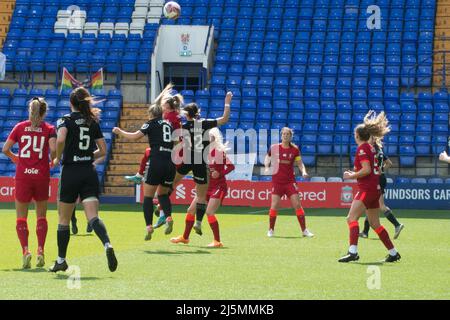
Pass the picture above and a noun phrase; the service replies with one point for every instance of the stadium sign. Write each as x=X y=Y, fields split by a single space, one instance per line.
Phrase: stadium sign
x=7 y=189
x=333 y=195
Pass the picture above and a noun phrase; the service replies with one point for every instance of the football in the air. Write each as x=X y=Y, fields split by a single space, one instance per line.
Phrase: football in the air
x=172 y=10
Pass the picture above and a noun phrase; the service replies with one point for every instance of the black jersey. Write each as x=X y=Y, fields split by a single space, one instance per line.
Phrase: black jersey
x=80 y=141
x=159 y=132
x=197 y=140
x=381 y=158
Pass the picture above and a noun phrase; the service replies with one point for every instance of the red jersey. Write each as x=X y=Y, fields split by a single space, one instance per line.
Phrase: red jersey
x=174 y=119
x=283 y=160
x=367 y=153
x=34 y=160
x=218 y=161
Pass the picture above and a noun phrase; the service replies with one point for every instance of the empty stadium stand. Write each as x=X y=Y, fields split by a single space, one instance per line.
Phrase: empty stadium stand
x=13 y=109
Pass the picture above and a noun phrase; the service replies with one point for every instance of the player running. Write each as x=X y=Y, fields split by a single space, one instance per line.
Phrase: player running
x=219 y=167
x=73 y=219
x=161 y=170
x=383 y=163
x=283 y=157
x=368 y=197
x=35 y=137
x=80 y=141
x=196 y=151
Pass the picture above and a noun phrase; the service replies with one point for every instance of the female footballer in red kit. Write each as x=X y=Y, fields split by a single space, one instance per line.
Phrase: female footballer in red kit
x=35 y=138
x=283 y=157
x=367 y=173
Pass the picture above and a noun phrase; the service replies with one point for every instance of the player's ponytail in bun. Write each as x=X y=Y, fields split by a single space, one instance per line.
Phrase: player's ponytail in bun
x=37 y=109
x=81 y=100
x=192 y=111
x=175 y=102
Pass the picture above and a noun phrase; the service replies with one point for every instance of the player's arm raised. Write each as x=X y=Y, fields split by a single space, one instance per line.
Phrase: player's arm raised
x=7 y=150
x=226 y=111
x=365 y=171
x=133 y=136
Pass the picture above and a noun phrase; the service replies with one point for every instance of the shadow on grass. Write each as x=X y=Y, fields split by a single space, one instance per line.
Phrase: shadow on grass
x=169 y=253
x=64 y=276
x=375 y=263
x=283 y=237
x=82 y=235
x=35 y=270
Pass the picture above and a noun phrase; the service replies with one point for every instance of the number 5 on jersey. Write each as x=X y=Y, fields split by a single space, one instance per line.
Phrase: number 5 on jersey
x=85 y=138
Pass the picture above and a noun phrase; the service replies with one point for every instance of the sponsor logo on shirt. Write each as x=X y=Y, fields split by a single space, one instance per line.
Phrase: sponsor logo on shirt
x=80 y=121
x=31 y=171
x=361 y=152
x=76 y=158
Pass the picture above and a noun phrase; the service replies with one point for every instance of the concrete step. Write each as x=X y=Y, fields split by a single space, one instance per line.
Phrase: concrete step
x=131 y=124
x=122 y=169
x=117 y=181
x=130 y=147
x=125 y=158
x=119 y=191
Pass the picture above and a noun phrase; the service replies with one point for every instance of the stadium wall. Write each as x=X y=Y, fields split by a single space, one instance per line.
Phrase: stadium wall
x=332 y=195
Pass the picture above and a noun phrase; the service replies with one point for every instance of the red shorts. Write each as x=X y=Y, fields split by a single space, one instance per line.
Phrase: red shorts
x=26 y=190
x=371 y=199
x=284 y=189
x=217 y=192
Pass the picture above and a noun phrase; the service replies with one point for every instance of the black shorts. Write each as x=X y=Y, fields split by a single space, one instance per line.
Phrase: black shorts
x=160 y=171
x=200 y=172
x=383 y=183
x=78 y=181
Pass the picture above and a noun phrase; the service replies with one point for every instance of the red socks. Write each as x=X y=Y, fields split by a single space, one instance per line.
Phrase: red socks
x=22 y=233
x=41 y=232
x=214 y=227
x=190 y=220
x=272 y=218
x=354 y=232
x=301 y=218
x=384 y=237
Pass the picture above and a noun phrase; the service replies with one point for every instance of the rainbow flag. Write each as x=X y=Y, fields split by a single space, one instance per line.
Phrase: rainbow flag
x=68 y=81
x=97 y=80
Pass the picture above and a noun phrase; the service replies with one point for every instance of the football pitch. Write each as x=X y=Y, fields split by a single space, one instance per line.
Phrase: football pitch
x=250 y=266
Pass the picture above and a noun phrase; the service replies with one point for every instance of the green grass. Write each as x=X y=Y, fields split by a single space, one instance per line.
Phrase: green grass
x=251 y=266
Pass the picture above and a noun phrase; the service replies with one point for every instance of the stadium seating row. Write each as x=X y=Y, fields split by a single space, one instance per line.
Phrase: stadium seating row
x=13 y=110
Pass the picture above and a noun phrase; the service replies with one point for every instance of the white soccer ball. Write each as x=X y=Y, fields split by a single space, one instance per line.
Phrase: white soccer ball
x=172 y=10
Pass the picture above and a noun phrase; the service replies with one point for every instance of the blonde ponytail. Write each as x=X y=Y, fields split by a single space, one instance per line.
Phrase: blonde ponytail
x=37 y=110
